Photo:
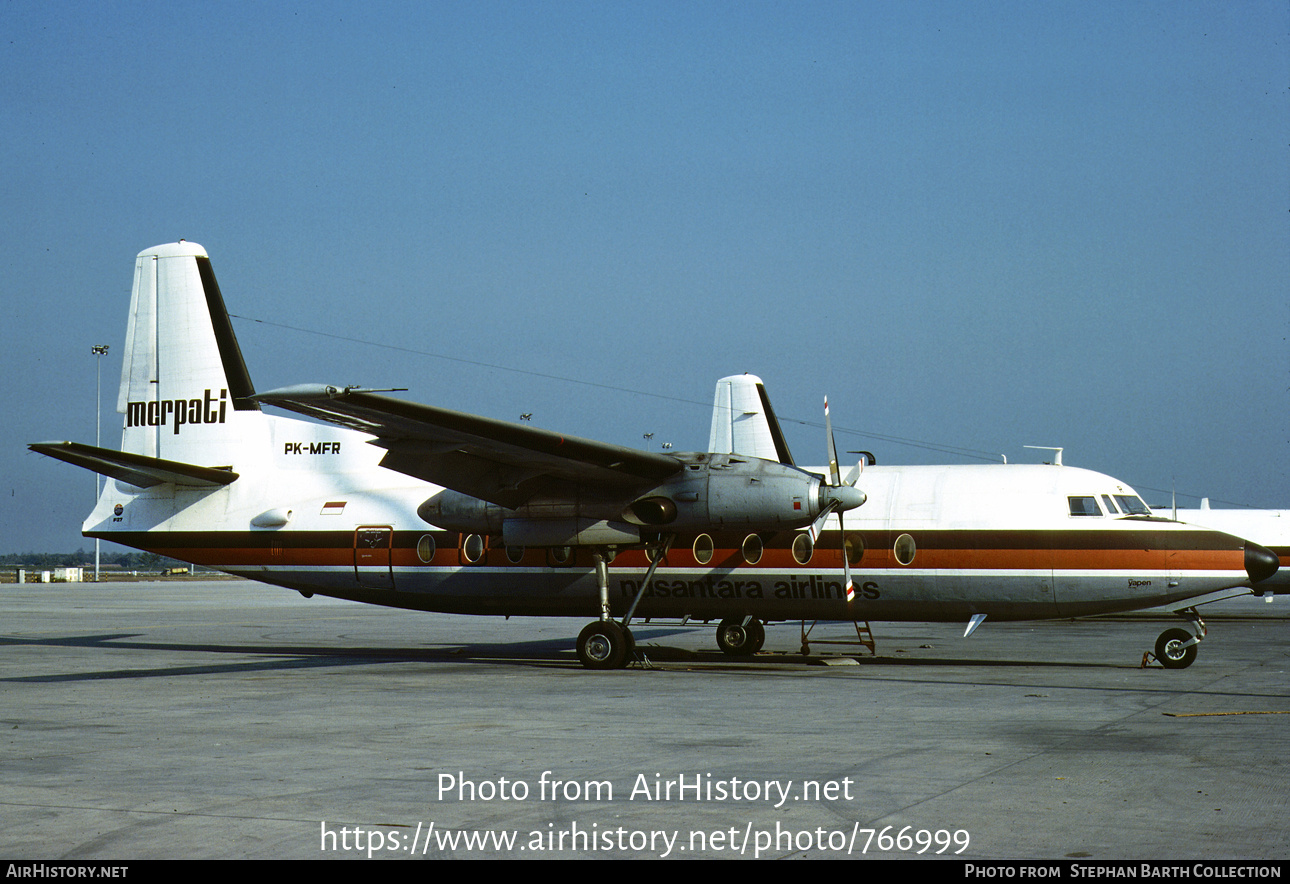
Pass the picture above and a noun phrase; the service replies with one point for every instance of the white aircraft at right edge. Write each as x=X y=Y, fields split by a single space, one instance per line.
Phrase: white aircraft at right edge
x=394 y=503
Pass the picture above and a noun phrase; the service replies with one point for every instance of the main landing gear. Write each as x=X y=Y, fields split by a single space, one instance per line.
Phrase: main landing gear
x=605 y=644
x=608 y=644
x=741 y=636
x=1176 y=648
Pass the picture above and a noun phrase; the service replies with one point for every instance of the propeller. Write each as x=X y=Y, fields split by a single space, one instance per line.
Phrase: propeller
x=837 y=496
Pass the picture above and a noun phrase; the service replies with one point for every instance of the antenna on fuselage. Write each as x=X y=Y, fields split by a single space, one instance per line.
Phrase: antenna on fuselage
x=1056 y=461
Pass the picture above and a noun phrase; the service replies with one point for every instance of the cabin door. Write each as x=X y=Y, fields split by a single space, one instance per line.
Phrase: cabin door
x=372 y=548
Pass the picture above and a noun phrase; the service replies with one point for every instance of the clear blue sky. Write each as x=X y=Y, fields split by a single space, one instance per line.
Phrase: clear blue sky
x=973 y=225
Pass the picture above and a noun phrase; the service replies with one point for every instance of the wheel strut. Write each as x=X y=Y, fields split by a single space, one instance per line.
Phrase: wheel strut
x=606 y=643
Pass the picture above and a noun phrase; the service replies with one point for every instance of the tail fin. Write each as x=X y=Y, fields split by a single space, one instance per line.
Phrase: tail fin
x=744 y=423
x=183 y=378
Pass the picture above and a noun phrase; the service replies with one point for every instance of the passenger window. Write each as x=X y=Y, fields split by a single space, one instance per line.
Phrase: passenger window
x=703 y=549
x=1084 y=506
x=905 y=549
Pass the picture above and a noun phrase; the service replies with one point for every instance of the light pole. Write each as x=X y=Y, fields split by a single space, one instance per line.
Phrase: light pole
x=99 y=351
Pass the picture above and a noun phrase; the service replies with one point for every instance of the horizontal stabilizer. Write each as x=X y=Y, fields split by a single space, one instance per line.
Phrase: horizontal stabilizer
x=137 y=469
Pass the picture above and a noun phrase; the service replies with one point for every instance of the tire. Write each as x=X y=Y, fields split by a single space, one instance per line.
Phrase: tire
x=604 y=645
x=740 y=640
x=1169 y=653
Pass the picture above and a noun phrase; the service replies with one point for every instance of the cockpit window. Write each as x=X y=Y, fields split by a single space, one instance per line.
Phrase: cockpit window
x=1110 y=507
x=1084 y=506
x=1133 y=505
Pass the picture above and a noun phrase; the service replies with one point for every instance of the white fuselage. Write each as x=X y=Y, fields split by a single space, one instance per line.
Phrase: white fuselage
x=314 y=511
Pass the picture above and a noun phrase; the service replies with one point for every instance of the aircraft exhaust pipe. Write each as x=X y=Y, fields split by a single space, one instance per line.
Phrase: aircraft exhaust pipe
x=1260 y=562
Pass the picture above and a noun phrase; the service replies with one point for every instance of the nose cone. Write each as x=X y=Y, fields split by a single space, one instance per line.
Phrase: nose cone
x=1260 y=562
x=845 y=497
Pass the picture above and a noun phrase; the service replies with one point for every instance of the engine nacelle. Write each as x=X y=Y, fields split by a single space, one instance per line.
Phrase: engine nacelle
x=730 y=491
x=540 y=522
x=711 y=492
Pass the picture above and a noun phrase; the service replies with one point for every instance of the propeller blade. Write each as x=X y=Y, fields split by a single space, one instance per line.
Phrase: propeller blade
x=834 y=475
x=818 y=525
x=846 y=561
x=842 y=497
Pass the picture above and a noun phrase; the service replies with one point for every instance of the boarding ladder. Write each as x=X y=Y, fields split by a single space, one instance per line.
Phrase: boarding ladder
x=864 y=638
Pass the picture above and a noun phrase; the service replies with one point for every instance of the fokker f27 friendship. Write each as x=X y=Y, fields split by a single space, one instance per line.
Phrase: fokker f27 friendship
x=412 y=506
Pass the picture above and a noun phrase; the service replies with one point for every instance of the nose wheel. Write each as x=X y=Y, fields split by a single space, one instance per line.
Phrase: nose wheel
x=1177 y=648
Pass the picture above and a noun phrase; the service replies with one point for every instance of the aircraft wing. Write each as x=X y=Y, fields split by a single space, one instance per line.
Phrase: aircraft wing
x=498 y=461
x=137 y=469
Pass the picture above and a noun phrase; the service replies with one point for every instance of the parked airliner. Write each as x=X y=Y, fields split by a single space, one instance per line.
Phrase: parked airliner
x=380 y=500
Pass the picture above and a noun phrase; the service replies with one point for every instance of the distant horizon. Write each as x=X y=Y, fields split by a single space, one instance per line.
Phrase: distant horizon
x=82 y=557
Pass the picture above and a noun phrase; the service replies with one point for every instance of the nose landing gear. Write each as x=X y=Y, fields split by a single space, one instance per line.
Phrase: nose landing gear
x=1176 y=648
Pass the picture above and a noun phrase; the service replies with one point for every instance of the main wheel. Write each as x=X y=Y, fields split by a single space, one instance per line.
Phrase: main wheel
x=740 y=640
x=604 y=645
x=1170 y=651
